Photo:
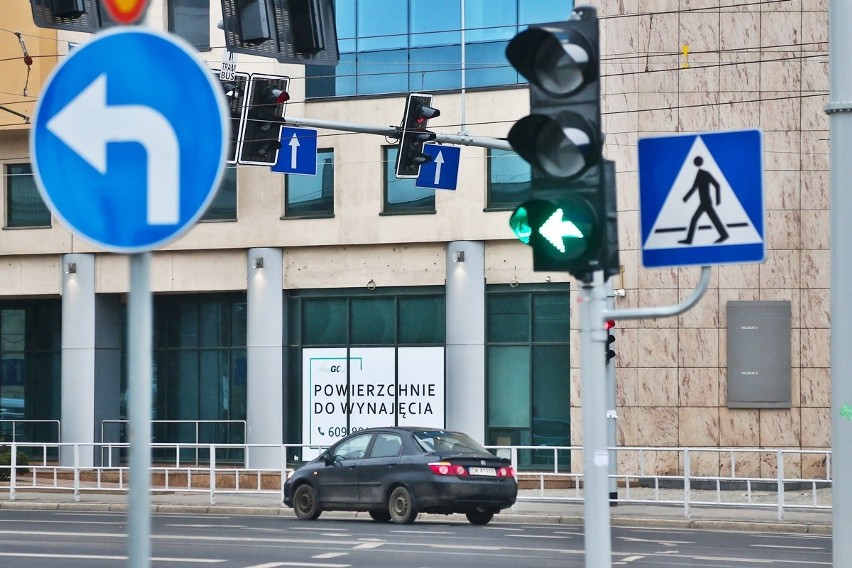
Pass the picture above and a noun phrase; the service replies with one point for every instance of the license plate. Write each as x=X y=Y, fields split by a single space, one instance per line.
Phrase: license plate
x=482 y=471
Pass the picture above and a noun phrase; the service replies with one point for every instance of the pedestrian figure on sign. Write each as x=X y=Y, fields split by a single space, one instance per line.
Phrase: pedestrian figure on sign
x=702 y=183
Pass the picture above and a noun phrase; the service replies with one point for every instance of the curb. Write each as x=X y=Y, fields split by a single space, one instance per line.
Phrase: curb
x=740 y=525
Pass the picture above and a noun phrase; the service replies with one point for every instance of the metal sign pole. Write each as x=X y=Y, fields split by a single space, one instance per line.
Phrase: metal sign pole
x=139 y=350
x=595 y=451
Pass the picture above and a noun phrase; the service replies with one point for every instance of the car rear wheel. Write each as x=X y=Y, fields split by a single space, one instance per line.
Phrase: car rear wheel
x=480 y=517
x=401 y=506
x=380 y=516
x=305 y=503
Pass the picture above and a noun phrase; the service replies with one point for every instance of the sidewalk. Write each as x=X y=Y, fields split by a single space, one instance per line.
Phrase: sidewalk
x=718 y=517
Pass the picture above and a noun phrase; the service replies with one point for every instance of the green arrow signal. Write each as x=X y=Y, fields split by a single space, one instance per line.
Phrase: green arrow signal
x=555 y=230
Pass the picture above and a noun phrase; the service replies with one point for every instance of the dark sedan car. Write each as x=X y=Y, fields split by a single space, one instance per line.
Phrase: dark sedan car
x=396 y=473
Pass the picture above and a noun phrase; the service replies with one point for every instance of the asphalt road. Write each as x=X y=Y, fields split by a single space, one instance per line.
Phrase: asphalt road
x=30 y=539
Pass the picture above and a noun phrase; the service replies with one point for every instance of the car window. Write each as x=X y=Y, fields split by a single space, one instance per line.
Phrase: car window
x=352 y=449
x=386 y=445
x=443 y=442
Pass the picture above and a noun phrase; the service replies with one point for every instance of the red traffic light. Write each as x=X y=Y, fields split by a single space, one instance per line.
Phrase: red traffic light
x=609 y=324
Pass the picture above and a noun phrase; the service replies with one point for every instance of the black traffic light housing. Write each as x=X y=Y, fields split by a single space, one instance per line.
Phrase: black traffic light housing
x=418 y=112
x=75 y=15
x=235 y=88
x=570 y=220
x=610 y=339
x=261 y=122
x=291 y=31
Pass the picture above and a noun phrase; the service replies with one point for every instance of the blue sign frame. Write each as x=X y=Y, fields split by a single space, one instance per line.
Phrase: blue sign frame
x=298 y=152
x=106 y=112
x=701 y=199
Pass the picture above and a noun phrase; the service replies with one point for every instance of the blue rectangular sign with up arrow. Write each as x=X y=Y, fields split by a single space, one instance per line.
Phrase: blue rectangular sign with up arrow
x=298 y=153
x=442 y=172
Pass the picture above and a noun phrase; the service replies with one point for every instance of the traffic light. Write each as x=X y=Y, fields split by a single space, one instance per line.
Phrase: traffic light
x=75 y=15
x=291 y=31
x=235 y=88
x=418 y=111
x=610 y=339
x=570 y=219
x=261 y=123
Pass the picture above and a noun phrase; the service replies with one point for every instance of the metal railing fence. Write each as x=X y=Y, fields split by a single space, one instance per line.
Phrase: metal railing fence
x=772 y=478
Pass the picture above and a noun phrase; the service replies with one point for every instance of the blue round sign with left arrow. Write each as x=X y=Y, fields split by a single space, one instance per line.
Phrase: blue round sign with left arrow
x=129 y=139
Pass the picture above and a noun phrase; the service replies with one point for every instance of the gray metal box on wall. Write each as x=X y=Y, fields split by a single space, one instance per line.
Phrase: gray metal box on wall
x=759 y=357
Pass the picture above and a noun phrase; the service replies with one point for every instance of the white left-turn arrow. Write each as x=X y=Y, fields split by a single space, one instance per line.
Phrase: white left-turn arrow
x=87 y=124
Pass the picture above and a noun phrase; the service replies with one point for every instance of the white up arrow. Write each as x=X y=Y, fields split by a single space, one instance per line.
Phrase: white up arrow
x=87 y=124
x=439 y=161
x=294 y=151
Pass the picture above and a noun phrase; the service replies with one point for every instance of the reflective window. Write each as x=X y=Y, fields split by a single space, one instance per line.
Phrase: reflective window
x=200 y=370
x=24 y=205
x=224 y=204
x=401 y=195
x=352 y=449
x=312 y=196
x=30 y=370
x=394 y=46
x=190 y=19
x=509 y=178
x=386 y=446
x=527 y=358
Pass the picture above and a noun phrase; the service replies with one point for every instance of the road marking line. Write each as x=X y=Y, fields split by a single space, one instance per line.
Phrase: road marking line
x=368 y=545
x=327 y=555
x=105 y=557
x=306 y=564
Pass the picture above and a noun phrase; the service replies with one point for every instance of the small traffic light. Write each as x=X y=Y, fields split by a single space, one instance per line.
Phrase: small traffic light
x=569 y=221
x=261 y=122
x=610 y=339
x=418 y=112
x=292 y=31
x=235 y=89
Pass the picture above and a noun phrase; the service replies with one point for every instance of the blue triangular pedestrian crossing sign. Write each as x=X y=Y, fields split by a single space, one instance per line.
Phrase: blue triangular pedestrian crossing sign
x=701 y=199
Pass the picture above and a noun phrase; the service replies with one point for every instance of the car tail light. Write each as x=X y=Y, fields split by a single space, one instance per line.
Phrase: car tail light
x=447 y=468
x=507 y=471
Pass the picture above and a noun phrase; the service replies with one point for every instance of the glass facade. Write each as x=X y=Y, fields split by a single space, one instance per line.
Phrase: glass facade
x=394 y=46
x=390 y=317
x=509 y=180
x=30 y=370
x=200 y=369
x=312 y=196
x=24 y=205
x=401 y=195
x=527 y=369
x=224 y=204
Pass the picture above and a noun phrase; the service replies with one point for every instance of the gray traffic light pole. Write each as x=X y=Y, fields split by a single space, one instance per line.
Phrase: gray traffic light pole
x=840 y=119
x=396 y=132
x=593 y=313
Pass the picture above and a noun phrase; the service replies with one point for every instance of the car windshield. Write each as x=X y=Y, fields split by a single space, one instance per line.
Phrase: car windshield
x=442 y=441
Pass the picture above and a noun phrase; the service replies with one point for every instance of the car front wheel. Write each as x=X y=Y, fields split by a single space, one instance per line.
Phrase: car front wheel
x=305 y=503
x=401 y=506
x=480 y=517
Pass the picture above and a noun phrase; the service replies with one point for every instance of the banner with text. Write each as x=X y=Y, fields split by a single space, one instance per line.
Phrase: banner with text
x=373 y=386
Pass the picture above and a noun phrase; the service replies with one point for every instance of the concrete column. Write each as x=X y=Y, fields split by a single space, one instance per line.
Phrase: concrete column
x=465 y=409
x=78 y=356
x=265 y=366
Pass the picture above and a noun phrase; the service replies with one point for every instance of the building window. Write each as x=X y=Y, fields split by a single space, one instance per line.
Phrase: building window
x=190 y=19
x=24 y=205
x=388 y=317
x=401 y=195
x=312 y=196
x=528 y=367
x=509 y=178
x=393 y=46
x=224 y=204
x=30 y=370
x=200 y=371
